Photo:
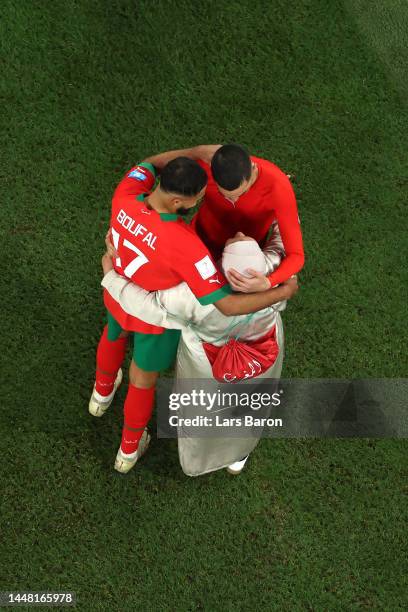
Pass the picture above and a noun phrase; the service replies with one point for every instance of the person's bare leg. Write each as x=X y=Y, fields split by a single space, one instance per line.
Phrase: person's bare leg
x=141 y=378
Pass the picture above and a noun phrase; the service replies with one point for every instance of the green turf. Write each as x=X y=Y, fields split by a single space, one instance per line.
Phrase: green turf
x=88 y=88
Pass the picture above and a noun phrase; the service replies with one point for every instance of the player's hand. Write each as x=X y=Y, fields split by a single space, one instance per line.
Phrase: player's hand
x=292 y=287
x=257 y=282
x=110 y=249
x=107 y=263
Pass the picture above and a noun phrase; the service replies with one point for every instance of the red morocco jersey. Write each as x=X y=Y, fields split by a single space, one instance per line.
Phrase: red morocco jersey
x=157 y=250
x=270 y=199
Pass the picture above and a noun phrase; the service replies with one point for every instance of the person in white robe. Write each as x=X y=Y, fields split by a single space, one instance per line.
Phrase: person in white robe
x=178 y=308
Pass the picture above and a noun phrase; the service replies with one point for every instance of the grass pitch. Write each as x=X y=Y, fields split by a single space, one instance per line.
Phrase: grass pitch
x=89 y=88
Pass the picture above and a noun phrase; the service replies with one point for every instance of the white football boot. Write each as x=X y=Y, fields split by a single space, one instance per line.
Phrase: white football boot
x=98 y=405
x=237 y=467
x=124 y=463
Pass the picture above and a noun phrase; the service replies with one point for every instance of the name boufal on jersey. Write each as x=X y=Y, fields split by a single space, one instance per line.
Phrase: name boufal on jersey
x=157 y=251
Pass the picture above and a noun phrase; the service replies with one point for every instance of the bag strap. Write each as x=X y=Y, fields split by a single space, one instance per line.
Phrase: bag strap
x=249 y=317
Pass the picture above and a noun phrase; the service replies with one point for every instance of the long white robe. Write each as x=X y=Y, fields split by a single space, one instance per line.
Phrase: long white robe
x=178 y=308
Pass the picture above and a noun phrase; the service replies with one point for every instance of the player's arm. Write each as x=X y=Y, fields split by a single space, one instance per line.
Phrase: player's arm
x=181 y=302
x=246 y=303
x=289 y=227
x=204 y=152
x=291 y=235
x=147 y=305
x=139 y=179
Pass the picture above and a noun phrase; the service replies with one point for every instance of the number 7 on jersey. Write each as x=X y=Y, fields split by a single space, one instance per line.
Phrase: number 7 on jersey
x=136 y=263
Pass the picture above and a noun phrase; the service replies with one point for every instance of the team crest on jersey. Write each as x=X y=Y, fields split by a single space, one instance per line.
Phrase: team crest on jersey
x=137 y=174
x=205 y=267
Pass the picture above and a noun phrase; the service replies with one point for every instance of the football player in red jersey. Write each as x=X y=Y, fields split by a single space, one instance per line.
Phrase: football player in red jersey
x=244 y=193
x=156 y=249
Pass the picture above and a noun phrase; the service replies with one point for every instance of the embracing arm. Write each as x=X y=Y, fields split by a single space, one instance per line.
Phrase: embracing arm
x=204 y=152
x=137 y=302
x=151 y=306
x=246 y=303
x=293 y=257
x=291 y=234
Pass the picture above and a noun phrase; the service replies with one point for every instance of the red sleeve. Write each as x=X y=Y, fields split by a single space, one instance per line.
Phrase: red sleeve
x=200 y=273
x=291 y=234
x=140 y=179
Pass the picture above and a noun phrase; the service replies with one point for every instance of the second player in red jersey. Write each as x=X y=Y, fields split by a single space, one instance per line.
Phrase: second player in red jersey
x=269 y=198
x=245 y=193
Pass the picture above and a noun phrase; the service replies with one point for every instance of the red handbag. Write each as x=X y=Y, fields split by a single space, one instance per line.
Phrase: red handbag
x=237 y=360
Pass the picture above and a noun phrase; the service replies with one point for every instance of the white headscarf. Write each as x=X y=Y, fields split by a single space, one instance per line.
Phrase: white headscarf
x=243 y=254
